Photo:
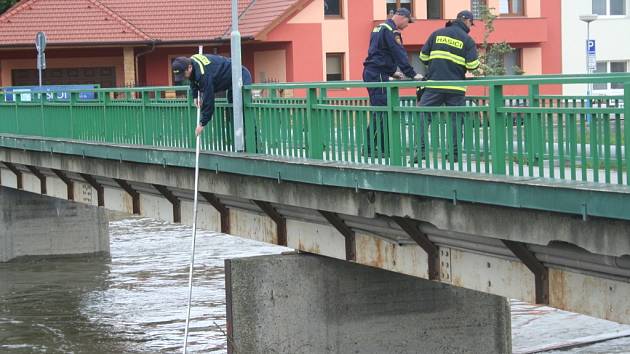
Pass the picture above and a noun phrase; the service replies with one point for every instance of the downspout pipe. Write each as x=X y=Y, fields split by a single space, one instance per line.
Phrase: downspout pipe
x=137 y=56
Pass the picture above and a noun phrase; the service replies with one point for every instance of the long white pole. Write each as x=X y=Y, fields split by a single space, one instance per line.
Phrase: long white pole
x=194 y=225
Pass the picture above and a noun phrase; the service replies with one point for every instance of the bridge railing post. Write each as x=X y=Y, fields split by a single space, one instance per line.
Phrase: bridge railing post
x=315 y=144
x=74 y=131
x=147 y=130
x=107 y=103
x=191 y=120
x=535 y=142
x=41 y=99
x=497 y=126
x=249 y=117
x=393 y=126
x=17 y=98
x=3 y=122
x=323 y=93
x=626 y=128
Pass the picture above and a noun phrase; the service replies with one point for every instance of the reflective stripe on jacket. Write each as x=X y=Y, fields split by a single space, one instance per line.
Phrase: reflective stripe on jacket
x=449 y=52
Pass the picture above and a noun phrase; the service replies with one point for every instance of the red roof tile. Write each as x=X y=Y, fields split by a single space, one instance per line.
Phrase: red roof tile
x=125 y=21
x=66 y=21
x=173 y=20
x=267 y=13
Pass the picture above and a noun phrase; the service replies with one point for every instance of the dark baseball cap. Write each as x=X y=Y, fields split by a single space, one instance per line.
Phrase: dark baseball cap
x=403 y=11
x=179 y=66
x=466 y=15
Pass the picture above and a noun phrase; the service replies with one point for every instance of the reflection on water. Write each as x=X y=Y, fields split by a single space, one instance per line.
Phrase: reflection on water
x=135 y=301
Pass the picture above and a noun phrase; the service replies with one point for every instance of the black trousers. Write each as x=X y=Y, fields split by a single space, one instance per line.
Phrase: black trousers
x=378 y=120
x=431 y=98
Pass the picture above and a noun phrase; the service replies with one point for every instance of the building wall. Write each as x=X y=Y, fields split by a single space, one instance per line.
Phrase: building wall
x=335 y=37
x=378 y=10
x=304 y=60
x=359 y=37
x=552 y=47
x=335 y=31
x=608 y=31
x=532 y=61
x=350 y=35
x=313 y=12
x=533 y=8
x=62 y=58
x=271 y=65
x=451 y=8
x=296 y=49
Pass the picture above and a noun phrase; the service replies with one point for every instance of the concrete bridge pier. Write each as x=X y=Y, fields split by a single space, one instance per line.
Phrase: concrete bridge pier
x=302 y=303
x=39 y=225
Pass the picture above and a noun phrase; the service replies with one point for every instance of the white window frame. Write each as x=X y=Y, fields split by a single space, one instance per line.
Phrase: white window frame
x=342 y=65
x=475 y=8
x=609 y=89
x=510 y=13
x=335 y=16
x=608 y=15
x=398 y=4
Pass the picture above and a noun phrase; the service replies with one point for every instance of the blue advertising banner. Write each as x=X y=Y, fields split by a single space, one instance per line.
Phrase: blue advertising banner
x=51 y=92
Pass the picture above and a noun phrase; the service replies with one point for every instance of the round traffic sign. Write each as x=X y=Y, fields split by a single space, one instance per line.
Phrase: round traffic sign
x=40 y=41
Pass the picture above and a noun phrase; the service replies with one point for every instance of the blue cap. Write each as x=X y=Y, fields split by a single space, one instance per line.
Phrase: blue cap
x=403 y=11
x=466 y=15
x=179 y=66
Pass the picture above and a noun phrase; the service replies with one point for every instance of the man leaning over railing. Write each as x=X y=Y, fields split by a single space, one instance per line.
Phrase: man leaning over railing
x=207 y=74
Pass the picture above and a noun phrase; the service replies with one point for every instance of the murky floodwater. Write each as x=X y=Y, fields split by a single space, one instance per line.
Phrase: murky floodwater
x=135 y=301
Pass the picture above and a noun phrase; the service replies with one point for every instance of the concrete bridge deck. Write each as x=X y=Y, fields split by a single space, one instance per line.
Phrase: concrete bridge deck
x=476 y=232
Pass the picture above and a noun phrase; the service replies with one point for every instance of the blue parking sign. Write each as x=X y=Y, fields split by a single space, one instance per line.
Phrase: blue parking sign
x=590 y=46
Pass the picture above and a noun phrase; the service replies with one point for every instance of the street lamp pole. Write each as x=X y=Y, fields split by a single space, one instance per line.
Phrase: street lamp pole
x=588 y=19
x=589 y=89
x=589 y=86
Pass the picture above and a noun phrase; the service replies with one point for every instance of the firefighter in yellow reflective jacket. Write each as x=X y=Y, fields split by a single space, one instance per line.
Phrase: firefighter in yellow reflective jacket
x=449 y=53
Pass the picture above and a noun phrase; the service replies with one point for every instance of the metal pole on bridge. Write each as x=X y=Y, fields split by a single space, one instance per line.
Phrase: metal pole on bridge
x=591 y=64
x=237 y=81
x=194 y=222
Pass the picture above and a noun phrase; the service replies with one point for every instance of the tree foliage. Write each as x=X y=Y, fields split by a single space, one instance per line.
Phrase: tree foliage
x=6 y=4
x=492 y=54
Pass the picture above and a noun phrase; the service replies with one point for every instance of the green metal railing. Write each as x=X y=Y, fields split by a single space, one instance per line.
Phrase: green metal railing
x=559 y=137
x=134 y=116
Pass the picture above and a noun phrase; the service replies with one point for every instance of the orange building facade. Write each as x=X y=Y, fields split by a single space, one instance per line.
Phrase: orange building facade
x=283 y=40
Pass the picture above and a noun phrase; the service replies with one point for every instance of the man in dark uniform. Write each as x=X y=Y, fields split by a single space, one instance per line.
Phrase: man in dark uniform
x=207 y=74
x=449 y=53
x=385 y=54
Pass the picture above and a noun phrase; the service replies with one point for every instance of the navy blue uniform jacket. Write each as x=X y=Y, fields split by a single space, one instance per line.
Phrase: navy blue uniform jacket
x=385 y=54
x=210 y=74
